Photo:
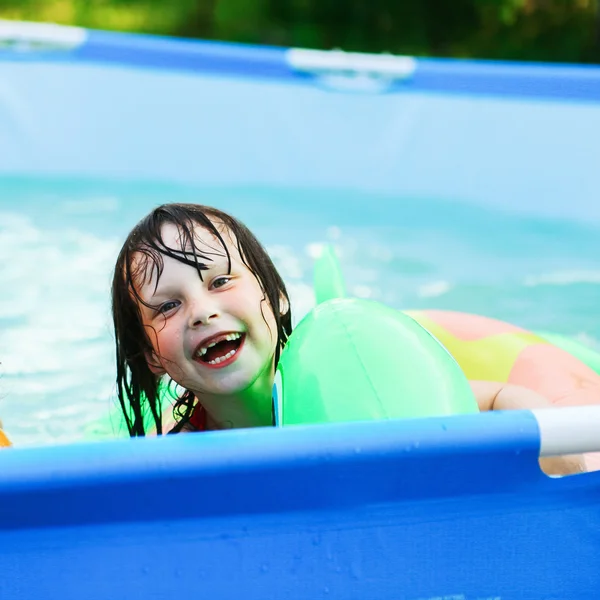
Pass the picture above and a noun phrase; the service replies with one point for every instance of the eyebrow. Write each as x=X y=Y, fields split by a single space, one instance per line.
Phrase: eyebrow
x=166 y=289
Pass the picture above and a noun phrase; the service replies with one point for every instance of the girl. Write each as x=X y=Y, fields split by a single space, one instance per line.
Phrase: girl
x=196 y=297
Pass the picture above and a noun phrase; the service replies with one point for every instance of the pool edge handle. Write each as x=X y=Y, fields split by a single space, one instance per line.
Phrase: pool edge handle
x=568 y=430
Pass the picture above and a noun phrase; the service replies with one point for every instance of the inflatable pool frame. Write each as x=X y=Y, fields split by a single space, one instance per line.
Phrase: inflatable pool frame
x=422 y=509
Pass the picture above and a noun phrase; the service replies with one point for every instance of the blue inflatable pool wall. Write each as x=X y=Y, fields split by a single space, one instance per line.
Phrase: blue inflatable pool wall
x=453 y=508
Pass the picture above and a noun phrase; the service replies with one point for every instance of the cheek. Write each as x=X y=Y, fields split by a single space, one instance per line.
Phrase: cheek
x=249 y=304
x=269 y=326
x=262 y=323
x=165 y=340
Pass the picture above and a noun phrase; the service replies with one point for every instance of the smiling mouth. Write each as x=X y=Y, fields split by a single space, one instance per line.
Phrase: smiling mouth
x=220 y=351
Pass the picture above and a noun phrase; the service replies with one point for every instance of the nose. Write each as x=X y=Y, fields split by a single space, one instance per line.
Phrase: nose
x=202 y=312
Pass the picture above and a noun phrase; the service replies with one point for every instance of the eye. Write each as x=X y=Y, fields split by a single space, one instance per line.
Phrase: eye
x=219 y=282
x=167 y=306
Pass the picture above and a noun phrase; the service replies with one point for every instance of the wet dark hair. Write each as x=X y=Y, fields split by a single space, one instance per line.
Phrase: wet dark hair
x=140 y=257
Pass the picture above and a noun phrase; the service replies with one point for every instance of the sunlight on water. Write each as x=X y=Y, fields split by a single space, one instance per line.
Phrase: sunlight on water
x=59 y=241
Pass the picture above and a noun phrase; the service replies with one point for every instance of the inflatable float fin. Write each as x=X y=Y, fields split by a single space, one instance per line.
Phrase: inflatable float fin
x=328 y=278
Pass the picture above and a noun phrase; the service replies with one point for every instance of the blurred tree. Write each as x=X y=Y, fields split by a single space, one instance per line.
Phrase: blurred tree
x=240 y=20
x=555 y=30
x=559 y=30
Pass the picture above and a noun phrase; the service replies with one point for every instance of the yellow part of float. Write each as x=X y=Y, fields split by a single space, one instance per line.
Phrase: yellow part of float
x=492 y=350
x=491 y=358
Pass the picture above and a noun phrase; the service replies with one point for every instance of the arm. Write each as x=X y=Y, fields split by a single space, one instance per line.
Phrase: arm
x=502 y=396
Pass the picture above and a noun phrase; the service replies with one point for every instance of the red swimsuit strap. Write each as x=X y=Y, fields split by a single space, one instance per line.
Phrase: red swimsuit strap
x=198 y=418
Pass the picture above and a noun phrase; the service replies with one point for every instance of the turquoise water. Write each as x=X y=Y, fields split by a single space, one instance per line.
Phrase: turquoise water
x=59 y=240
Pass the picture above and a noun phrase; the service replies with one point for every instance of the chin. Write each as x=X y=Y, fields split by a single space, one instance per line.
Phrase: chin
x=236 y=384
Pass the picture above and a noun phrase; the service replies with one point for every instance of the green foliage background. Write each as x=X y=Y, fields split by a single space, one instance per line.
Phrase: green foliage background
x=548 y=30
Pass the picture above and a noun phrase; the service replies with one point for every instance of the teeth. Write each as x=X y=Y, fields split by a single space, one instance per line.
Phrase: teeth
x=230 y=337
x=216 y=361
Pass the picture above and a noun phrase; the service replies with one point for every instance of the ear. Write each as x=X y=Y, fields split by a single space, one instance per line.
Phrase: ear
x=154 y=364
x=284 y=305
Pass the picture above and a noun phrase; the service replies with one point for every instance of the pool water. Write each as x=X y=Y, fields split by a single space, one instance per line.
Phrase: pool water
x=59 y=240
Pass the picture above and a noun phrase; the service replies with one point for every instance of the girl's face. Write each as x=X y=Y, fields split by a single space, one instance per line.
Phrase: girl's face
x=213 y=336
